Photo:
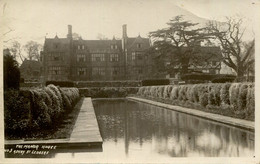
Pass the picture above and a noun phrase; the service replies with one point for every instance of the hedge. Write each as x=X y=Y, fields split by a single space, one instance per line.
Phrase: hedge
x=94 y=84
x=60 y=83
x=238 y=97
x=37 y=108
x=107 y=92
x=216 y=78
x=152 y=82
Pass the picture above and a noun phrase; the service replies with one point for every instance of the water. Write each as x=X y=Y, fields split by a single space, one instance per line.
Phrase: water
x=134 y=131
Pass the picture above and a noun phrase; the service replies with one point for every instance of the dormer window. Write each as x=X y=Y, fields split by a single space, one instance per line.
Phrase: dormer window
x=139 y=45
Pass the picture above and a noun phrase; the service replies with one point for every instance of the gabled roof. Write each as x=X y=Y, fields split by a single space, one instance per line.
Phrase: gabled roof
x=102 y=44
x=132 y=43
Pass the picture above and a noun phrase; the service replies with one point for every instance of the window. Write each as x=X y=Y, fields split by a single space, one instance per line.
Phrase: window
x=113 y=57
x=98 y=57
x=214 y=63
x=140 y=71
x=54 y=70
x=139 y=45
x=113 y=46
x=81 y=71
x=56 y=56
x=133 y=55
x=81 y=57
x=137 y=55
x=100 y=71
x=115 y=71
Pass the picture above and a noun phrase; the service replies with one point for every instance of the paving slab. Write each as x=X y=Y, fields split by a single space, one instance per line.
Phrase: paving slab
x=250 y=125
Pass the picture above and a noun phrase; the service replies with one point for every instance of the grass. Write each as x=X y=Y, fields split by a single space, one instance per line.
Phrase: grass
x=60 y=130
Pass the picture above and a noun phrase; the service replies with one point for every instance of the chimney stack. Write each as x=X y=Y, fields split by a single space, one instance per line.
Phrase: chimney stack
x=69 y=32
x=124 y=31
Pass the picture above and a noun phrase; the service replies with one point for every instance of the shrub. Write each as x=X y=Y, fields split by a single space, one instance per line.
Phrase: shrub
x=214 y=94
x=60 y=83
x=160 y=90
x=233 y=95
x=174 y=93
x=107 y=92
x=200 y=77
x=242 y=96
x=17 y=115
x=152 y=82
x=224 y=94
x=11 y=72
x=203 y=99
x=94 y=84
x=250 y=100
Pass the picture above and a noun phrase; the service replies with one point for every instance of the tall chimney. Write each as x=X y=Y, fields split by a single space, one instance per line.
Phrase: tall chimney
x=124 y=38
x=124 y=31
x=69 y=32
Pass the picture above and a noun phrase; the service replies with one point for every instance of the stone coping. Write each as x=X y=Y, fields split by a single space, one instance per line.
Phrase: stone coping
x=245 y=124
x=85 y=133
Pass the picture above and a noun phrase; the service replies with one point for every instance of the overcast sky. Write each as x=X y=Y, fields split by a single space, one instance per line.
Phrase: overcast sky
x=35 y=19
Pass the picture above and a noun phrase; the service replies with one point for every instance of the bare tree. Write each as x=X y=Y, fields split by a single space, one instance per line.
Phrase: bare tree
x=101 y=37
x=33 y=50
x=16 y=50
x=236 y=54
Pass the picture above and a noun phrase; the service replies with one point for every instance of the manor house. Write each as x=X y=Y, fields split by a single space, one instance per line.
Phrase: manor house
x=77 y=60
x=68 y=59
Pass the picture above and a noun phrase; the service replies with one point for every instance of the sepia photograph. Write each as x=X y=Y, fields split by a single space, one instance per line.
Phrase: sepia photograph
x=129 y=81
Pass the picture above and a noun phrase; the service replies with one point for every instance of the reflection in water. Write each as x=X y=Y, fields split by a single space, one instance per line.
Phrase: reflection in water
x=143 y=129
x=138 y=132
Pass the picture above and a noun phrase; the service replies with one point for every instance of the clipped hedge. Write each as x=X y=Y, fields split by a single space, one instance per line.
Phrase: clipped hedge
x=236 y=97
x=95 y=84
x=108 y=92
x=37 y=108
x=152 y=82
x=60 y=83
x=215 y=78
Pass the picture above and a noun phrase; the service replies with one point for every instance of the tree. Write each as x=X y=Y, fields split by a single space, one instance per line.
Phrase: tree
x=16 y=50
x=236 y=53
x=101 y=37
x=181 y=41
x=11 y=72
x=76 y=36
x=33 y=50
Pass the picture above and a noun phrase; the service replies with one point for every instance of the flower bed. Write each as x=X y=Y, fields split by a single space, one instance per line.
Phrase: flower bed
x=36 y=109
x=233 y=99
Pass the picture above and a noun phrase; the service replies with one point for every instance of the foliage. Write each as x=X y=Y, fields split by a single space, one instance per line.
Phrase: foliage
x=87 y=84
x=208 y=77
x=33 y=49
x=109 y=92
x=11 y=72
x=235 y=97
x=180 y=42
x=152 y=82
x=61 y=83
x=237 y=54
x=37 y=108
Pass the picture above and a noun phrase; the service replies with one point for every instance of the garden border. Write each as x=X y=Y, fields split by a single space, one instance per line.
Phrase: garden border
x=245 y=124
x=85 y=134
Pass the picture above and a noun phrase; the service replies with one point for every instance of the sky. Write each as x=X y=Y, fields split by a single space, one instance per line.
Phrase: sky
x=36 y=19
